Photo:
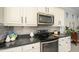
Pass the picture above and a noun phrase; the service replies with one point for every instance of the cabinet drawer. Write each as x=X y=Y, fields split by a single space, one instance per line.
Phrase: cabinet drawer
x=33 y=50
x=68 y=37
x=36 y=45
x=16 y=49
x=62 y=39
x=30 y=47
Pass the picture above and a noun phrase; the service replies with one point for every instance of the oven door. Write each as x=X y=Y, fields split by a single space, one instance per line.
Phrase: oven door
x=50 y=46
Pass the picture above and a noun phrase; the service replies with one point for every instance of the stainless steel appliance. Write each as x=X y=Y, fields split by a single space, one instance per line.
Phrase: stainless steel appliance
x=49 y=43
x=49 y=46
x=45 y=19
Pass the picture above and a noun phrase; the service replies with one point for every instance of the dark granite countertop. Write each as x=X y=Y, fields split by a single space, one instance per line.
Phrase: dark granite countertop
x=62 y=35
x=18 y=42
x=22 y=40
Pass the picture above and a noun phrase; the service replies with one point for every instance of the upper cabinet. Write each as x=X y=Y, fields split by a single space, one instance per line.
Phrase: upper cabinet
x=58 y=16
x=47 y=10
x=13 y=16
x=27 y=16
x=20 y=16
x=1 y=15
x=43 y=9
x=30 y=16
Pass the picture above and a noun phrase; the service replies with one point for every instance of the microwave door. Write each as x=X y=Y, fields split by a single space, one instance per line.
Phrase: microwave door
x=45 y=19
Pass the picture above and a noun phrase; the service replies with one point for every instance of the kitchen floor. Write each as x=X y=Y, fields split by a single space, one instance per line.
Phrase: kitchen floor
x=74 y=48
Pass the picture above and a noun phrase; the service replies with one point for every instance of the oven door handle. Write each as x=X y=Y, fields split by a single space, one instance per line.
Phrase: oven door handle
x=49 y=41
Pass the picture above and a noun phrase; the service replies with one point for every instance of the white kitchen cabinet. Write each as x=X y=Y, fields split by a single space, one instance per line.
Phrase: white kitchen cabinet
x=31 y=48
x=20 y=16
x=13 y=16
x=35 y=47
x=16 y=49
x=1 y=15
x=64 y=44
x=30 y=16
x=68 y=42
x=43 y=10
x=58 y=16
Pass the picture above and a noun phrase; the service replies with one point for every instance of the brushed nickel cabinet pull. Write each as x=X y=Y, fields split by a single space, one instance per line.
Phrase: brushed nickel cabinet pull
x=21 y=19
x=46 y=9
x=32 y=47
x=25 y=19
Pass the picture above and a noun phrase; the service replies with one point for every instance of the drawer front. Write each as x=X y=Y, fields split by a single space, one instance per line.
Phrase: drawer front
x=30 y=47
x=62 y=39
x=27 y=47
x=68 y=37
x=36 y=45
x=16 y=49
x=34 y=50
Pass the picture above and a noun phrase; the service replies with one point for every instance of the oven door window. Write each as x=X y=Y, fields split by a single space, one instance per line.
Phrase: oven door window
x=50 y=47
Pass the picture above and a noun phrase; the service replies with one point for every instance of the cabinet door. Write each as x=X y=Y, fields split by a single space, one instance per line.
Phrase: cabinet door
x=31 y=48
x=68 y=43
x=61 y=45
x=51 y=10
x=16 y=49
x=43 y=10
x=58 y=16
x=30 y=16
x=35 y=50
x=1 y=14
x=13 y=16
x=64 y=44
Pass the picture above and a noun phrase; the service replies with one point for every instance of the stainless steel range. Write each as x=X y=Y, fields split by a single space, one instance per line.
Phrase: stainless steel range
x=48 y=44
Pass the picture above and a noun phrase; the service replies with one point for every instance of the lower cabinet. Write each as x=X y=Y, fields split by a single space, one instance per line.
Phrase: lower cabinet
x=27 y=48
x=64 y=44
x=16 y=49
x=31 y=48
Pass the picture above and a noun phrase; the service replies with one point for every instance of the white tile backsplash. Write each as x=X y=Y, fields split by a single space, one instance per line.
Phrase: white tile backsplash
x=27 y=30
x=4 y=29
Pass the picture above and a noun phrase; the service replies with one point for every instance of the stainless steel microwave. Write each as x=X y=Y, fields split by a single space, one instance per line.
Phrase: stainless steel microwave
x=45 y=19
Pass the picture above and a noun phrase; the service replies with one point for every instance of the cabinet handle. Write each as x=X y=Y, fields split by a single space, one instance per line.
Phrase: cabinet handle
x=46 y=9
x=66 y=42
x=59 y=44
x=21 y=19
x=32 y=47
x=25 y=19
